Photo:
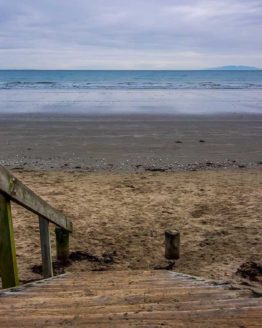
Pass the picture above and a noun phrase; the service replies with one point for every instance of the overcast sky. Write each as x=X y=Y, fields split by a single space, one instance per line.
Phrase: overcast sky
x=130 y=34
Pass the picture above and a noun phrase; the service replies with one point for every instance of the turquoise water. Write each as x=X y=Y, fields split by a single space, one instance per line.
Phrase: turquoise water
x=128 y=92
x=115 y=80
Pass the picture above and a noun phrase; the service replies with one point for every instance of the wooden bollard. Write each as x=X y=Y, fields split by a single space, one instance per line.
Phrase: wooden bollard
x=62 y=244
x=172 y=244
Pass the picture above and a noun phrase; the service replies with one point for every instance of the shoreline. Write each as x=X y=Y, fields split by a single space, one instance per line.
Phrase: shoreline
x=124 y=179
x=131 y=143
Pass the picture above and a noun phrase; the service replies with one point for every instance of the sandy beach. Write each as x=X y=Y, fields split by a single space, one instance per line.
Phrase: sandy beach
x=124 y=180
x=130 y=143
x=120 y=218
x=131 y=119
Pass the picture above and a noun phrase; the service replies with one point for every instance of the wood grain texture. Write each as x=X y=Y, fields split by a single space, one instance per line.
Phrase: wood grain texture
x=172 y=244
x=45 y=248
x=62 y=244
x=8 y=265
x=129 y=299
x=22 y=195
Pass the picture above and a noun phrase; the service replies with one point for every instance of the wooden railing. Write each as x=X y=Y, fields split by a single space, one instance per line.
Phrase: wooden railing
x=11 y=189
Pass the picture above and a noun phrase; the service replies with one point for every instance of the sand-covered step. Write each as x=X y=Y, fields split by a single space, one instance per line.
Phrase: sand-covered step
x=115 y=299
x=79 y=307
x=125 y=288
x=136 y=274
x=128 y=299
x=126 y=283
x=223 y=316
x=128 y=293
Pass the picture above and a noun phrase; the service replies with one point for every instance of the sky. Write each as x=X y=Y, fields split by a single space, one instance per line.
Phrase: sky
x=129 y=34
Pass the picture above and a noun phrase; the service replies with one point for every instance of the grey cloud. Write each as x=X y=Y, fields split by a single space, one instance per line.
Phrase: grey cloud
x=124 y=34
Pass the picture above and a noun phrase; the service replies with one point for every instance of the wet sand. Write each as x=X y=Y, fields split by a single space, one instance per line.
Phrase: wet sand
x=122 y=180
x=130 y=143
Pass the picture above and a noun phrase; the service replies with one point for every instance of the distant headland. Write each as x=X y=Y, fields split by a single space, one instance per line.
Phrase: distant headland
x=234 y=68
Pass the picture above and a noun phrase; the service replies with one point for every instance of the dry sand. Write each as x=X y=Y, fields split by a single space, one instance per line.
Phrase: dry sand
x=125 y=215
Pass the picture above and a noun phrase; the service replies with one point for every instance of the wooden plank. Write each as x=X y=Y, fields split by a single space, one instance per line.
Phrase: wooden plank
x=45 y=248
x=8 y=264
x=80 y=306
x=22 y=195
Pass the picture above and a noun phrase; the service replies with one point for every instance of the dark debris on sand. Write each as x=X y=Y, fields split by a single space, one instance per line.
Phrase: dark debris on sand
x=251 y=271
x=149 y=165
x=197 y=166
x=166 y=266
x=78 y=256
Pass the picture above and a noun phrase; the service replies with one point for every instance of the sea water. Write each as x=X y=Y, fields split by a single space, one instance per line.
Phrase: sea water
x=123 y=92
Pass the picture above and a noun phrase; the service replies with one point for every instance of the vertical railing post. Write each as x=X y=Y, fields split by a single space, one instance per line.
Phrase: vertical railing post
x=8 y=265
x=62 y=244
x=45 y=248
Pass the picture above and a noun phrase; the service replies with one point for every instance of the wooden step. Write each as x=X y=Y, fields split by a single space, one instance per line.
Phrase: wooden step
x=128 y=299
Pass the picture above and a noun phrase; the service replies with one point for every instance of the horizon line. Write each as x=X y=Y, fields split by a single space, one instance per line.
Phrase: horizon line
x=111 y=69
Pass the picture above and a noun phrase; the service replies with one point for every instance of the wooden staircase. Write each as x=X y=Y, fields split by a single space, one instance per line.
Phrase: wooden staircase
x=105 y=299
x=128 y=299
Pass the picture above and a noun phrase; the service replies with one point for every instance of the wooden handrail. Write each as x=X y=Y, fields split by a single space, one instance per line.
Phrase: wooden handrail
x=25 y=197
x=12 y=189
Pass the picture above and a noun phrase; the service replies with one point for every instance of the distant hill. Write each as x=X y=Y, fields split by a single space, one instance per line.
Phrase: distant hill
x=234 y=68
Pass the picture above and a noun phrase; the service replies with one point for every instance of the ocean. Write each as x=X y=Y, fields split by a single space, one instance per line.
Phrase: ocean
x=121 y=92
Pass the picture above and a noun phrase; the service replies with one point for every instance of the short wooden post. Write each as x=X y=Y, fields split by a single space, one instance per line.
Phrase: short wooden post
x=45 y=248
x=62 y=244
x=172 y=244
x=8 y=265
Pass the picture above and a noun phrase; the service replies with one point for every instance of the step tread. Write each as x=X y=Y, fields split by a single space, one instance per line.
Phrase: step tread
x=128 y=298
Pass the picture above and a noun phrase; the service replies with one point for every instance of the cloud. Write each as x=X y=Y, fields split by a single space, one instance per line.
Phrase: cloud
x=120 y=34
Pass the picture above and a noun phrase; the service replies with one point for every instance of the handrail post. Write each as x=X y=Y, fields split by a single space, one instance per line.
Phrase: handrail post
x=8 y=265
x=62 y=244
x=12 y=189
x=47 y=264
x=19 y=193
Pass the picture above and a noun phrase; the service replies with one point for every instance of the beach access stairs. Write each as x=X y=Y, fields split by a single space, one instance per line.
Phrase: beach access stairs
x=157 y=298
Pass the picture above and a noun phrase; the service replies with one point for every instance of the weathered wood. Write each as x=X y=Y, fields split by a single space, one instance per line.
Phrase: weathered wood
x=22 y=195
x=8 y=266
x=129 y=299
x=172 y=244
x=62 y=244
x=45 y=248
